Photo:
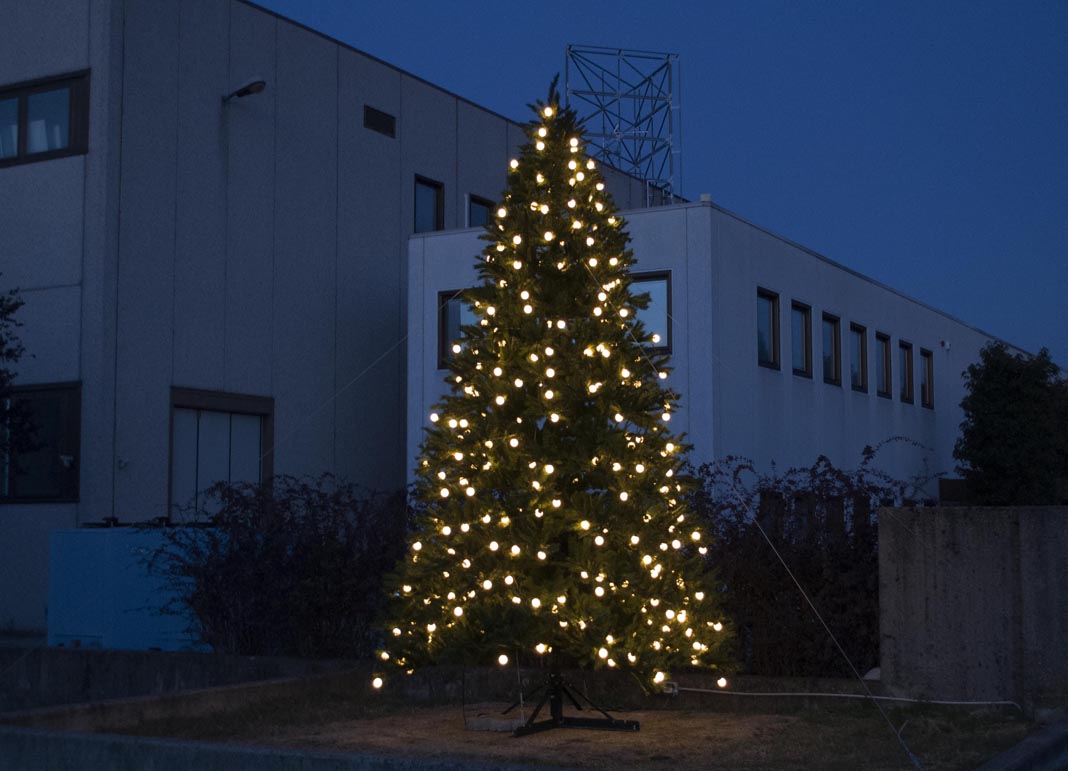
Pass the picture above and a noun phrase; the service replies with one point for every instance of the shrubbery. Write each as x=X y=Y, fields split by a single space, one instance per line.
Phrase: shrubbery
x=822 y=522
x=289 y=568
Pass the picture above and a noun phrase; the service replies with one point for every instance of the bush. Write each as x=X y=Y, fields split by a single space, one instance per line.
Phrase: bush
x=292 y=567
x=821 y=521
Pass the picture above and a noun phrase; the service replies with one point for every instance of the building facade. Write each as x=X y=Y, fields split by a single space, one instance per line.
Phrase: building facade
x=215 y=283
x=779 y=354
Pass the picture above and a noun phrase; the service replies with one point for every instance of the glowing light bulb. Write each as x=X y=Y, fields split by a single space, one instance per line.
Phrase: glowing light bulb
x=549 y=235
x=573 y=142
x=676 y=544
x=518 y=382
x=618 y=417
x=717 y=626
x=500 y=400
x=596 y=312
x=699 y=596
x=535 y=603
x=501 y=212
x=517 y=239
x=490 y=311
x=417 y=546
x=542 y=555
x=599 y=591
x=515 y=165
x=585 y=524
x=547 y=112
x=571 y=204
x=487 y=584
x=541 y=648
x=457 y=611
x=639 y=467
x=590 y=242
x=696 y=535
x=513 y=442
x=540 y=179
x=557 y=503
x=376 y=683
x=434 y=418
x=396 y=632
x=561 y=324
x=542 y=131
x=544 y=208
x=550 y=372
x=431 y=628
x=549 y=351
x=603 y=653
x=623 y=496
x=446 y=530
x=722 y=682
x=540 y=145
x=634 y=540
x=515 y=550
x=509 y=580
x=493 y=546
x=599 y=540
x=549 y=394
x=554 y=418
x=502 y=660
x=647 y=560
x=572 y=165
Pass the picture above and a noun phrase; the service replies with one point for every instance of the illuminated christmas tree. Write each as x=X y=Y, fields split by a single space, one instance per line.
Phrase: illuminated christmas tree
x=554 y=519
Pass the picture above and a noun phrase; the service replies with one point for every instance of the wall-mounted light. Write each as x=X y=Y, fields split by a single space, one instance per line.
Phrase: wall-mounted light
x=252 y=87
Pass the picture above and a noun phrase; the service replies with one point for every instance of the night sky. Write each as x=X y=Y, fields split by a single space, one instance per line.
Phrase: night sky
x=922 y=144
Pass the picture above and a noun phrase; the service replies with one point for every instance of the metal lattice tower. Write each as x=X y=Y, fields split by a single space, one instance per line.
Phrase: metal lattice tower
x=630 y=103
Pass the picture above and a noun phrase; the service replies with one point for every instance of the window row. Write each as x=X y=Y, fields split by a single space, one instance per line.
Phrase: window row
x=215 y=437
x=801 y=356
x=44 y=119
x=454 y=313
x=430 y=207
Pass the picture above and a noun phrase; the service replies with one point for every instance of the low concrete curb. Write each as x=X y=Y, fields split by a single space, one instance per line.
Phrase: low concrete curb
x=1045 y=751
x=26 y=749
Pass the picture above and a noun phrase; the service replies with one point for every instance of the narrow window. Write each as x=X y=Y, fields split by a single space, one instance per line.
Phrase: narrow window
x=217 y=437
x=832 y=350
x=926 y=379
x=429 y=205
x=44 y=119
x=883 y=379
x=47 y=472
x=858 y=357
x=478 y=211
x=767 y=329
x=379 y=121
x=905 y=369
x=801 y=338
x=656 y=316
x=454 y=313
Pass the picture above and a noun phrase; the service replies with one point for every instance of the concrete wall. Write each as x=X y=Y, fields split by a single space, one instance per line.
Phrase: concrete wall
x=972 y=602
x=729 y=404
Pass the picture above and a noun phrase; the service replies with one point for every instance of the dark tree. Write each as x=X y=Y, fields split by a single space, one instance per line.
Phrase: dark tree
x=555 y=519
x=17 y=434
x=1013 y=445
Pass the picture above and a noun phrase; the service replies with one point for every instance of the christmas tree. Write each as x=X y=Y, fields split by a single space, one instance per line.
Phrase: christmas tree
x=554 y=519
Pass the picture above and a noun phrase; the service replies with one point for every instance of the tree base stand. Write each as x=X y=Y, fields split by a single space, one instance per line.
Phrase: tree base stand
x=556 y=689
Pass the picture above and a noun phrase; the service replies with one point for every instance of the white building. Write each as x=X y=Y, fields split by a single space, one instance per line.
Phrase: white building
x=220 y=285
x=215 y=289
x=779 y=354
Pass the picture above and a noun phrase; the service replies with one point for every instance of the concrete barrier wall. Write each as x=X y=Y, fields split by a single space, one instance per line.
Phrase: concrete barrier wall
x=974 y=602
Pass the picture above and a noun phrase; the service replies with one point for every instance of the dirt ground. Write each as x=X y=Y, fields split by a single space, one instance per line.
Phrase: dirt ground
x=675 y=740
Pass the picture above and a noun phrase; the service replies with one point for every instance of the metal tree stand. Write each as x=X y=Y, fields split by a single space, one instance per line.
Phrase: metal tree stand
x=556 y=689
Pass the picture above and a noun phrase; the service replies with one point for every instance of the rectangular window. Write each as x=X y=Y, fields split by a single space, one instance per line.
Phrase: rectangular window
x=478 y=211
x=454 y=312
x=379 y=121
x=905 y=369
x=656 y=316
x=884 y=383
x=429 y=205
x=47 y=472
x=217 y=437
x=767 y=328
x=858 y=357
x=44 y=119
x=926 y=378
x=832 y=350
x=801 y=338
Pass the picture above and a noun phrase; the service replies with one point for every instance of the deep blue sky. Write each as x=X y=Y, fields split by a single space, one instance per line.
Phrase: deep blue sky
x=924 y=144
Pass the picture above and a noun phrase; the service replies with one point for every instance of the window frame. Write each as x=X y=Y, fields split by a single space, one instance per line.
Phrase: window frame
x=74 y=427
x=445 y=353
x=887 y=356
x=657 y=275
x=228 y=402
x=806 y=309
x=77 y=115
x=439 y=203
x=855 y=328
x=836 y=322
x=927 y=368
x=776 y=360
x=477 y=199
x=906 y=395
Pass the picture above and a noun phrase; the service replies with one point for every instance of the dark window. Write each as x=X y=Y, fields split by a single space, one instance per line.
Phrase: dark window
x=858 y=357
x=49 y=472
x=429 y=205
x=905 y=370
x=656 y=316
x=926 y=378
x=379 y=121
x=44 y=119
x=478 y=211
x=832 y=350
x=884 y=382
x=801 y=338
x=454 y=312
x=217 y=437
x=767 y=328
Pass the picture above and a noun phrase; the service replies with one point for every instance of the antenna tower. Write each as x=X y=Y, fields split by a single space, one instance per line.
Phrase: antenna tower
x=630 y=103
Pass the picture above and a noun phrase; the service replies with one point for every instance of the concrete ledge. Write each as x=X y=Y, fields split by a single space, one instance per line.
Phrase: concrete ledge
x=30 y=748
x=1045 y=751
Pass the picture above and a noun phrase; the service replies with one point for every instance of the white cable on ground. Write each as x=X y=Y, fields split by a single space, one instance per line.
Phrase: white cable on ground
x=674 y=687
